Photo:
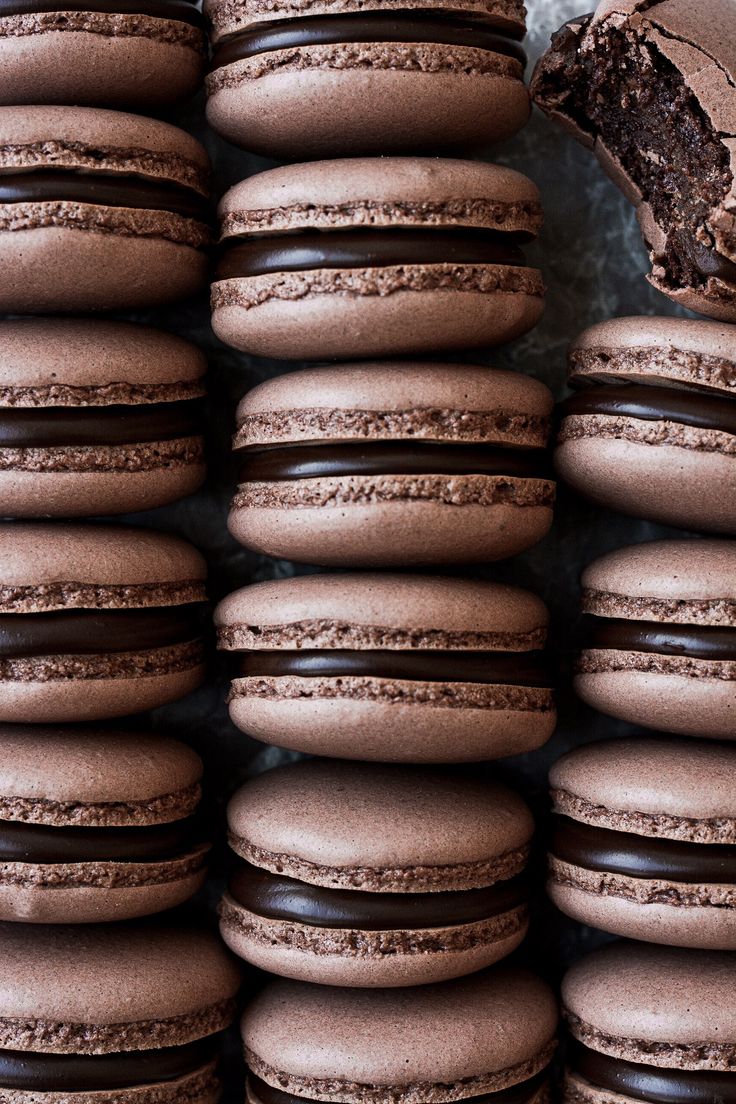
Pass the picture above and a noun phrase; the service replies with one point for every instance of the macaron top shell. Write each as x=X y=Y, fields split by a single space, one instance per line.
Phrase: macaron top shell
x=97 y=140
x=678 y=581
x=76 y=776
x=74 y=362
x=657 y=351
x=430 y=401
x=439 y=1034
x=369 y=192
x=689 y=780
x=119 y=974
x=331 y=815
x=651 y=994
x=381 y=611
x=47 y=566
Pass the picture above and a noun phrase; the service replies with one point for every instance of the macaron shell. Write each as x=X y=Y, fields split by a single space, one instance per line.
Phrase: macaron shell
x=694 y=488
x=291 y=112
x=667 y=569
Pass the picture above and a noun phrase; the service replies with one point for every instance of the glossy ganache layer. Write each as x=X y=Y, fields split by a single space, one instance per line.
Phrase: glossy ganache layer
x=520 y=1093
x=365 y=248
x=87 y=631
x=700 y=409
x=182 y=11
x=504 y=668
x=625 y=853
x=696 y=641
x=101 y=189
x=41 y=843
x=656 y=1084
x=95 y=426
x=441 y=28
x=314 y=461
x=281 y=898
x=32 y=1071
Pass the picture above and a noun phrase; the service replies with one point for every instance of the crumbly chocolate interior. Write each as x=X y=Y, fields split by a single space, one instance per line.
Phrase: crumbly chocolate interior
x=615 y=84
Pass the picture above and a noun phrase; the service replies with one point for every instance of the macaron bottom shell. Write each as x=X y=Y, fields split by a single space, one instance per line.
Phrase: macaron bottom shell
x=201 y=1086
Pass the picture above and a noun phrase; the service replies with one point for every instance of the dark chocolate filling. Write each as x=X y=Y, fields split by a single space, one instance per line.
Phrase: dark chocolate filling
x=514 y=1094
x=86 y=631
x=311 y=461
x=182 y=11
x=693 y=408
x=696 y=641
x=652 y=1083
x=442 y=28
x=641 y=856
x=102 y=189
x=41 y=843
x=64 y=426
x=504 y=668
x=280 y=898
x=366 y=248
x=35 y=1072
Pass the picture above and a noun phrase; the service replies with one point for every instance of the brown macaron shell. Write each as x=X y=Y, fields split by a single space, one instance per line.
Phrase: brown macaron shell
x=396 y=307
x=657 y=467
x=443 y=1042
x=682 y=682
x=686 y=212
x=103 y=57
x=389 y=517
x=125 y=991
x=322 y=824
x=427 y=80
x=643 y=1013
x=60 y=366
x=61 y=255
x=654 y=812
x=72 y=570
x=376 y=715
x=75 y=779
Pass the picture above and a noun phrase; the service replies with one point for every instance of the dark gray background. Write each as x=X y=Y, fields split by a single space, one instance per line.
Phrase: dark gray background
x=594 y=265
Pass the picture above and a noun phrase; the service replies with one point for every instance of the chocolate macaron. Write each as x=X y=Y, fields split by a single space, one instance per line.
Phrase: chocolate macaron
x=316 y=80
x=321 y=892
x=651 y=429
x=650 y=1023
x=374 y=257
x=382 y=464
x=113 y=1014
x=488 y=1038
x=97 y=418
x=96 y=824
x=99 y=210
x=644 y=840
x=96 y=621
x=112 y=53
x=661 y=648
x=393 y=668
x=648 y=86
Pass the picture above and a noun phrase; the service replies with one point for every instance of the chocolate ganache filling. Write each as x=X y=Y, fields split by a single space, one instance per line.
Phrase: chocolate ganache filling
x=310 y=461
x=651 y=1083
x=504 y=668
x=625 y=853
x=87 y=631
x=64 y=1073
x=696 y=641
x=514 y=1094
x=280 y=898
x=367 y=248
x=692 y=408
x=441 y=28
x=63 y=426
x=182 y=11
x=41 y=843
x=101 y=189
